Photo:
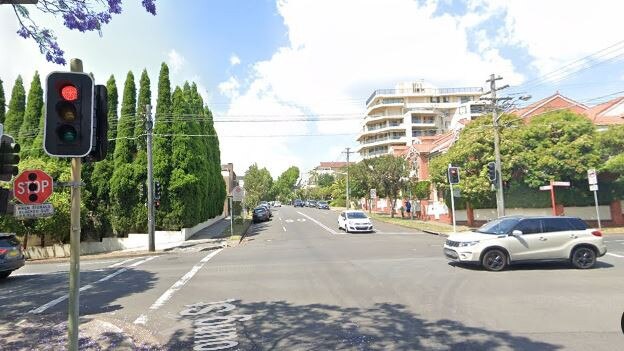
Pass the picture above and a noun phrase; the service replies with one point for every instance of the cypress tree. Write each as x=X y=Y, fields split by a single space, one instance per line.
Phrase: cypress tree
x=36 y=149
x=2 y=103
x=113 y=102
x=214 y=153
x=162 y=145
x=125 y=148
x=123 y=185
x=29 y=129
x=202 y=169
x=145 y=97
x=17 y=105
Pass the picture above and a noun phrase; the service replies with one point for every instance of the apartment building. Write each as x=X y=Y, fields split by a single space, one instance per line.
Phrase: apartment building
x=331 y=168
x=414 y=113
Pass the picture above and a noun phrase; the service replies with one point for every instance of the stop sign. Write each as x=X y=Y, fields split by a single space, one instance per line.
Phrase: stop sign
x=32 y=187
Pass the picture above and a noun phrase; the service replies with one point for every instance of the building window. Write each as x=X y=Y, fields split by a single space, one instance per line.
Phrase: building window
x=464 y=99
x=445 y=99
x=462 y=110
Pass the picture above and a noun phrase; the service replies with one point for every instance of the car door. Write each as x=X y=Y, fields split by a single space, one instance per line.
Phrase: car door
x=530 y=244
x=559 y=234
x=341 y=220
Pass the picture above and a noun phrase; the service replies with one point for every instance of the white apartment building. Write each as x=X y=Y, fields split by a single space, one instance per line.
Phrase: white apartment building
x=411 y=111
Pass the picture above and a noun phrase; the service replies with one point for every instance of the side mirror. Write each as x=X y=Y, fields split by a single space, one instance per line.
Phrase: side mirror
x=516 y=233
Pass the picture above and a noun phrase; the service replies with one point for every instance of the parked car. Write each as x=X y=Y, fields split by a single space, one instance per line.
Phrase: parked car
x=311 y=203
x=323 y=205
x=298 y=203
x=277 y=204
x=354 y=221
x=11 y=255
x=512 y=239
x=267 y=206
x=260 y=214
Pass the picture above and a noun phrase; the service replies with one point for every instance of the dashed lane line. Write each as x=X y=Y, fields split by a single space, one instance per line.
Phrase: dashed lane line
x=319 y=223
x=166 y=296
x=56 y=301
x=123 y=262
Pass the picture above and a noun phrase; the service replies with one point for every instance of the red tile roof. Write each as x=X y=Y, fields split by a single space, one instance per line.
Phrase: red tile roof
x=551 y=103
x=608 y=112
x=333 y=164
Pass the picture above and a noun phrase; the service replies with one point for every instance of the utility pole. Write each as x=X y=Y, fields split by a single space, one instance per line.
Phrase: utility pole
x=500 y=200
x=74 y=241
x=149 y=125
x=348 y=152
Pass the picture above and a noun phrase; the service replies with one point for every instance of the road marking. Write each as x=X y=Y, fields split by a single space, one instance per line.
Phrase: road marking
x=58 y=300
x=300 y=219
x=319 y=223
x=142 y=319
x=284 y=228
x=289 y=221
x=123 y=262
x=86 y=263
x=614 y=255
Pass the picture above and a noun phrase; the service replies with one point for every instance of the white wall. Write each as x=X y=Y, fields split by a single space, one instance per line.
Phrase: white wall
x=585 y=213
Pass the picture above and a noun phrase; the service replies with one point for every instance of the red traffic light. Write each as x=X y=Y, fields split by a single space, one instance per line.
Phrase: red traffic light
x=69 y=93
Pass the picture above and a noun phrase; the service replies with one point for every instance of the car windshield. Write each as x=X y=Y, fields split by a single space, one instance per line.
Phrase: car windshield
x=259 y=209
x=498 y=226
x=356 y=215
x=322 y=203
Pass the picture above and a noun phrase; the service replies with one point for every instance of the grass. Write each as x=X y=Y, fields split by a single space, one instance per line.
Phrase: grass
x=417 y=224
x=240 y=226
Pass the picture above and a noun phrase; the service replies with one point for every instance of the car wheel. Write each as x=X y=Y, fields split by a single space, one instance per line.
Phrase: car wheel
x=3 y=275
x=583 y=257
x=494 y=260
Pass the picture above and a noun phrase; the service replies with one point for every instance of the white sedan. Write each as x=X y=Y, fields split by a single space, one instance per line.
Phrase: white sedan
x=354 y=221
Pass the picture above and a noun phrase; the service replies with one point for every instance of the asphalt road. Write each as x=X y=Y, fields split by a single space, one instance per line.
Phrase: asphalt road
x=299 y=283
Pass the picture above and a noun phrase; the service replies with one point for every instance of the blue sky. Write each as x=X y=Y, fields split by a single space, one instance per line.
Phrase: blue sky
x=289 y=59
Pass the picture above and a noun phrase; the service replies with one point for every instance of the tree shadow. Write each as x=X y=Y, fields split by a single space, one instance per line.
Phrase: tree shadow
x=281 y=325
x=257 y=228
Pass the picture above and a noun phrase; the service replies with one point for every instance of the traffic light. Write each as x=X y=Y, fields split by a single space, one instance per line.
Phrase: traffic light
x=5 y=196
x=453 y=175
x=9 y=157
x=157 y=190
x=100 y=117
x=69 y=106
x=492 y=171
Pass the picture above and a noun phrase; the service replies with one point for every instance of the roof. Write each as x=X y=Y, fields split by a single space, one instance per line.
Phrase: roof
x=550 y=103
x=333 y=164
x=607 y=113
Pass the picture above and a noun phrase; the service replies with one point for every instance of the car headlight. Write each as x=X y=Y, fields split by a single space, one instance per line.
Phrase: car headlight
x=468 y=243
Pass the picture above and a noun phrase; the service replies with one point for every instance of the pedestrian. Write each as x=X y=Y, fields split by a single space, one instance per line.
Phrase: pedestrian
x=408 y=208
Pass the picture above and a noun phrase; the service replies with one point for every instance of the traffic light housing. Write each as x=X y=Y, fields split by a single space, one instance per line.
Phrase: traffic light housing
x=100 y=121
x=9 y=157
x=157 y=190
x=5 y=197
x=69 y=106
x=491 y=171
x=453 y=175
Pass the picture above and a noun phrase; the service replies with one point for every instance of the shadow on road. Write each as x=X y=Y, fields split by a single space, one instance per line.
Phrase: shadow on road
x=528 y=266
x=284 y=326
x=258 y=228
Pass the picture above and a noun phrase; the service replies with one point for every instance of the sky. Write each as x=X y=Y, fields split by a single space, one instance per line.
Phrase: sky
x=305 y=68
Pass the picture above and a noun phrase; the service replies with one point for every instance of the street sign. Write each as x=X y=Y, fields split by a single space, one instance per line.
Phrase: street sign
x=456 y=192
x=238 y=194
x=34 y=211
x=561 y=183
x=592 y=177
x=593 y=187
x=32 y=187
x=545 y=187
x=373 y=193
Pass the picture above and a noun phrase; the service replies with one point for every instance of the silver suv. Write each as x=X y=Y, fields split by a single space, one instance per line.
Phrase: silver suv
x=520 y=238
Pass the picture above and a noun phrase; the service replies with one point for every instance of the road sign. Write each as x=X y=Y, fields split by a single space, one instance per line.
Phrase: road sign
x=32 y=187
x=456 y=192
x=373 y=193
x=593 y=187
x=545 y=187
x=238 y=193
x=561 y=183
x=592 y=177
x=34 y=211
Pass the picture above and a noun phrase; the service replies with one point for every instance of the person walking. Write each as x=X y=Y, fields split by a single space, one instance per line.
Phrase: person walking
x=408 y=208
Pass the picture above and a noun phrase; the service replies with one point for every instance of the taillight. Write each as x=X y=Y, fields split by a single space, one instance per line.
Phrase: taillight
x=596 y=233
x=3 y=251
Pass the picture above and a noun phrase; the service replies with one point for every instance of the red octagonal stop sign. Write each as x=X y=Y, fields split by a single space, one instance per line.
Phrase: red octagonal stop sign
x=32 y=187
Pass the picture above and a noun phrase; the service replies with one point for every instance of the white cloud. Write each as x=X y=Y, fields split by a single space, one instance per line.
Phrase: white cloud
x=230 y=87
x=234 y=60
x=176 y=61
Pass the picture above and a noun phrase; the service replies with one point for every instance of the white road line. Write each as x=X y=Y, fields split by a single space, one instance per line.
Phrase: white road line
x=122 y=262
x=284 y=228
x=85 y=263
x=615 y=255
x=319 y=223
x=56 y=301
x=142 y=319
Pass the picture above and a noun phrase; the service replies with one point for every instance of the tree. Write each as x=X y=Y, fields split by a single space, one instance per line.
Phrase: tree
x=2 y=103
x=283 y=188
x=392 y=173
x=113 y=102
x=17 y=106
x=162 y=144
x=140 y=160
x=145 y=97
x=258 y=183
x=125 y=146
x=81 y=15
x=29 y=129
x=325 y=180
x=611 y=148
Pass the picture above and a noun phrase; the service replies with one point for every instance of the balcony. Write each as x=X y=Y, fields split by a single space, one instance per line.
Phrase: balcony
x=380 y=117
x=425 y=92
x=382 y=140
